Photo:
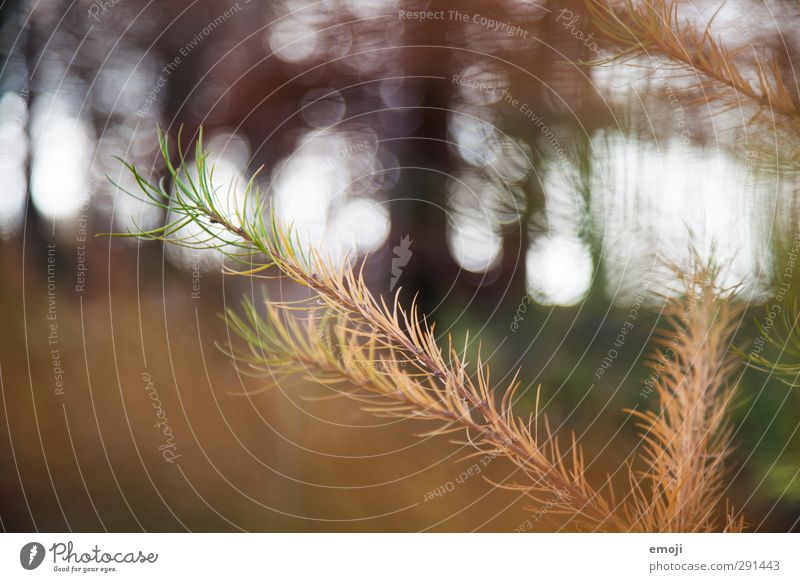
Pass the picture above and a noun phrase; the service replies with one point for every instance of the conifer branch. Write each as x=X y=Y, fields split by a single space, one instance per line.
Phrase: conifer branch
x=656 y=28
x=346 y=334
x=388 y=358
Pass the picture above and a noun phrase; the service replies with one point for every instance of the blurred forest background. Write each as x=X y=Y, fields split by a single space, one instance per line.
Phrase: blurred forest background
x=523 y=194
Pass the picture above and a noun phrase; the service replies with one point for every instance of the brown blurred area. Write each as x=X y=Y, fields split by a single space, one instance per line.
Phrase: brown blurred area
x=88 y=459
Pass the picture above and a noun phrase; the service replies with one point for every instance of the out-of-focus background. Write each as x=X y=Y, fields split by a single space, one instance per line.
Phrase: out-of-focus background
x=468 y=146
